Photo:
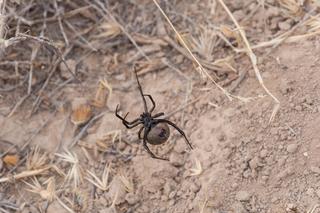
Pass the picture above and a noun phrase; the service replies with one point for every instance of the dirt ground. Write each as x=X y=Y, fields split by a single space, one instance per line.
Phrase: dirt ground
x=63 y=149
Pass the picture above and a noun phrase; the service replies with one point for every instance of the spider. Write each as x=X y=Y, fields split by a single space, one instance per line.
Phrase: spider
x=155 y=130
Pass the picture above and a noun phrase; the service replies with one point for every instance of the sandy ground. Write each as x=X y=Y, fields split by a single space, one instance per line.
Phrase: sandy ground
x=240 y=163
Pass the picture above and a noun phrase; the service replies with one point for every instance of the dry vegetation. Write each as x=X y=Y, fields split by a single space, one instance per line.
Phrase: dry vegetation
x=45 y=71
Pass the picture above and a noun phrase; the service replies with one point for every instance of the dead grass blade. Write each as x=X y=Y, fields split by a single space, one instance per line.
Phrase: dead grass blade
x=75 y=173
x=197 y=169
x=36 y=159
x=314 y=208
x=126 y=182
x=253 y=59
x=24 y=174
x=203 y=206
x=103 y=94
x=292 y=7
x=101 y=183
x=108 y=30
x=65 y=206
x=199 y=67
x=206 y=43
x=47 y=193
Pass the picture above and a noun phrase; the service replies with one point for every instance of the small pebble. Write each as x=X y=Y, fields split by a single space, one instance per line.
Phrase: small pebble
x=254 y=163
x=263 y=153
x=291 y=148
x=284 y=25
x=315 y=169
x=176 y=159
x=243 y=196
x=291 y=207
x=195 y=187
x=53 y=208
x=298 y=108
x=131 y=198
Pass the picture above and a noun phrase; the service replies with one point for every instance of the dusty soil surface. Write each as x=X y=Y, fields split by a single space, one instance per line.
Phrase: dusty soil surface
x=241 y=162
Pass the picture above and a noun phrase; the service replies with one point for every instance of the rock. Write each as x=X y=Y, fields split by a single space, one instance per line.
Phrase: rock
x=285 y=87
x=318 y=193
x=298 y=108
x=315 y=169
x=273 y=11
x=169 y=186
x=284 y=25
x=254 y=163
x=108 y=210
x=239 y=14
x=131 y=198
x=310 y=192
x=292 y=148
x=56 y=207
x=263 y=153
x=237 y=207
x=243 y=196
x=194 y=187
x=65 y=72
x=172 y=195
x=176 y=159
x=291 y=207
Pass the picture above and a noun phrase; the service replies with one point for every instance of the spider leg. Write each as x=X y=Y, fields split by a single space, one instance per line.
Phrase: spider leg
x=158 y=115
x=128 y=124
x=152 y=101
x=177 y=128
x=139 y=133
x=140 y=89
x=146 y=131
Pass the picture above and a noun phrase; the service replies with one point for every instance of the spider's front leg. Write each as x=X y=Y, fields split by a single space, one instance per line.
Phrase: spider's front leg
x=127 y=124
x=152 y=101
x=177 y=128
x=146 y=131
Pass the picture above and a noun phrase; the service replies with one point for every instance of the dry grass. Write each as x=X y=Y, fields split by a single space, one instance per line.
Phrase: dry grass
x=103 y=182
x=78 y=29
x=75 y=173
x=197 y=169
x=36 y=159
x=126 y=182
x=47 y=193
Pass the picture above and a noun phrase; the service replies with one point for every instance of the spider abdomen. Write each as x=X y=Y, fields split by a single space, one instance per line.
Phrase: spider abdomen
x=158 y=134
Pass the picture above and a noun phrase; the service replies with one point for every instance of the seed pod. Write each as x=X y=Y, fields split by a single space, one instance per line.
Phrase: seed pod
x=81 y=115
x=158 y=134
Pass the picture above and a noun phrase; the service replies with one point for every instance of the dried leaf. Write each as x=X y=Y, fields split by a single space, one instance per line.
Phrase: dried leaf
x=197 y=169
x=11 y=160
x=81 y=114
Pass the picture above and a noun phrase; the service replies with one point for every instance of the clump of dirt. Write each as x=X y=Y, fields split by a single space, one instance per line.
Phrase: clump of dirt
x=66 y=65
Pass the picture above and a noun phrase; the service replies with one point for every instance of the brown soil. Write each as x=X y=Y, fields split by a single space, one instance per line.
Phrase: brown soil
x=240 y=162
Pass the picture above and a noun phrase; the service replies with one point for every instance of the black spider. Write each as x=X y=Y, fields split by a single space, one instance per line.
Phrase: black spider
x=156 y=131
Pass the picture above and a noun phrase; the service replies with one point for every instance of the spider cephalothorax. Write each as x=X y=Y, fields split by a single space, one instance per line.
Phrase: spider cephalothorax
x=155 y=130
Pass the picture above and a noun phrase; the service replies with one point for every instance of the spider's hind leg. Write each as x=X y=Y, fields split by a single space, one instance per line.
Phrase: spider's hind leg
x=146 y=131
x=177 y=128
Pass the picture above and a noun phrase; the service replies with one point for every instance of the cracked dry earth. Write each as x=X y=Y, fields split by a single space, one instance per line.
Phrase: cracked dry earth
x=247 y=164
